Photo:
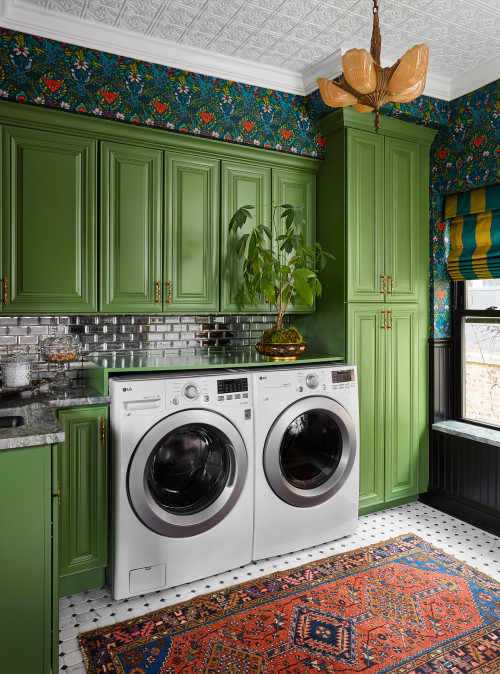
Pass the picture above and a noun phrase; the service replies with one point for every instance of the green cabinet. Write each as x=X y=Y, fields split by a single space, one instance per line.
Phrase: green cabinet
x=373 y=215
x=48 y=222
x=83 y=512
x=242 y=184
x=28 y=607
x=191 y=267
x=130 y=228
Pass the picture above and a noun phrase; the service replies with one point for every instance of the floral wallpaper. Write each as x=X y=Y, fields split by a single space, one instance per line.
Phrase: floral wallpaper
x=465 y=153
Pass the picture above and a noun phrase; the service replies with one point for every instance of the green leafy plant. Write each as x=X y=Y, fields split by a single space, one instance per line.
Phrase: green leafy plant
x=282 y=269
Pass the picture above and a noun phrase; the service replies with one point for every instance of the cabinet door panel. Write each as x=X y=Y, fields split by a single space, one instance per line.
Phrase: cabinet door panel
x=192 y=233
x=49 y=223
x=402 y=265
x=242 y=184
x=366 y=340
x=131 y=196
x=83 y=477
x=296 y=187
x=365 y=213
x=403 y=421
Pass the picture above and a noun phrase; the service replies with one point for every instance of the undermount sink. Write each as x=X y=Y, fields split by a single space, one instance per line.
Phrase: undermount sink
x=11 y=421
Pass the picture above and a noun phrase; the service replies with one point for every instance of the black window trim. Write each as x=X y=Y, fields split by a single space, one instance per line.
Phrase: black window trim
x=457 y=313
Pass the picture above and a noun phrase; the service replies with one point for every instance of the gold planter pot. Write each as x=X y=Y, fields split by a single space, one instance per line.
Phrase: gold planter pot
x=283 y=351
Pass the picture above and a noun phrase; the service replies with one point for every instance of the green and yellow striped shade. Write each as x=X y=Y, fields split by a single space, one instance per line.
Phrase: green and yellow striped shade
x=474 y=234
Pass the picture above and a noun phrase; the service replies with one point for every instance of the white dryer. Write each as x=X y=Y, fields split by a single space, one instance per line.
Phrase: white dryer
x=182 y=478
x=306 y=457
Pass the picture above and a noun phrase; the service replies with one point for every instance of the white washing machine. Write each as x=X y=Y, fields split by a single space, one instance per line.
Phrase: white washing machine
x=182 y=478
x=306 y=457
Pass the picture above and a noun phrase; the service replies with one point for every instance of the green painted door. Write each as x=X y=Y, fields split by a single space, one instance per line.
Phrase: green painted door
x=25 y=560
x=366 y=349
x=297 y=187
x=365 y=216
x=131 y=206
x=402 y=195
x=404 y=416
x=48 y=221
x=83 y=513
x=242 y=185
x=191 y=243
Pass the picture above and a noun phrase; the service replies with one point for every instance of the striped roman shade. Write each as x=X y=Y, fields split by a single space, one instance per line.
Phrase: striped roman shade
x=474 y=234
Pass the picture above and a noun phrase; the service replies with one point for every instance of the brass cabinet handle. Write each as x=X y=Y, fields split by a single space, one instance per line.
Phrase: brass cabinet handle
x=384 y=313
x=158 y=292
x=391 y=291
x=59 y=494
x=382 y=285
x=389 y=327
x=169 y=292
x=103 y=431
x=4 y=285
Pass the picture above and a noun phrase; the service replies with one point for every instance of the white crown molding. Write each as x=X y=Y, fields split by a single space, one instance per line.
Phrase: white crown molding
x=16 y=15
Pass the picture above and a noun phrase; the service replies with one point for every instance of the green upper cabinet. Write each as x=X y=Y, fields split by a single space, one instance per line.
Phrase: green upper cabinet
x=191 y=242
x=48 y=222
x=242 y=185
x=83 y=513
x=365 y=208
x=297 y=187
x=131 y=211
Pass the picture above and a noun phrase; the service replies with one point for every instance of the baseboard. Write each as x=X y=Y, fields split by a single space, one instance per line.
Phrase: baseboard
x=466 y=512
x=373 y=508
x=82 y=581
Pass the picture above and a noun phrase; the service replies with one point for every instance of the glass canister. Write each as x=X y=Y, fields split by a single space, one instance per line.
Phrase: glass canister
x=16 y=370
x=60 y=349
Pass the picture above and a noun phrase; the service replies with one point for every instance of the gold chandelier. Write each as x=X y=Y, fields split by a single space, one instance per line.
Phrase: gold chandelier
x=367 y=86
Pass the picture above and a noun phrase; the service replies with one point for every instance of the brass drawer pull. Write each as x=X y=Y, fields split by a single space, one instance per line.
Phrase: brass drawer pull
x=389 y=327
x=391 y=291
x=169 y=292
x=4 y=286
x=158 y=292
x=103 y=430
x=382 y=285
x=384 y=313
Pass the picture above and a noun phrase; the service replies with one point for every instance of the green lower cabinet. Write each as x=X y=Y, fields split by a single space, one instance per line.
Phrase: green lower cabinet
x=386 y=345
x=27 y=606
x=83 y=512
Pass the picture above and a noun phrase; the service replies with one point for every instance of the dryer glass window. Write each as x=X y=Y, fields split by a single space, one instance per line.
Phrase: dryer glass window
x=311 y=449
x=189 y=468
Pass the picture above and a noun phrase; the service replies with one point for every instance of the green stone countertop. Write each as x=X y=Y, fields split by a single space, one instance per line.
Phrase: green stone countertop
x=37 y=409
x=97 y=369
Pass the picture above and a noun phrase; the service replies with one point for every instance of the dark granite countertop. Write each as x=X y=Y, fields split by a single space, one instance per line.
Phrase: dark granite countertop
x=37 y=409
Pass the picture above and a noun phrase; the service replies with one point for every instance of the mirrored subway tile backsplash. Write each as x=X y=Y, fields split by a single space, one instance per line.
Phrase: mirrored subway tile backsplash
x=127 y=334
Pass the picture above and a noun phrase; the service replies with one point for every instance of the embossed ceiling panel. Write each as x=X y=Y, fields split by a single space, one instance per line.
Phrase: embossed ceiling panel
x=297 y=35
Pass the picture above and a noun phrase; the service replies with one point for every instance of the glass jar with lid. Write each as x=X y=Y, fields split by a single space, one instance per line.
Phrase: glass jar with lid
x=16 y=369
x=60 y=349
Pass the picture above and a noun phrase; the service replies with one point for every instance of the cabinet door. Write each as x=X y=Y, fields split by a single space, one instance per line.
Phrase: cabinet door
x=365 y=214
x=131 y=202
x=402 y=218
x=25 y=559
x=297 y=187
x=83 y=514
x=49 y=223
x=403 y=413
x=242 y=184
x=366 y=349
x=191 y=242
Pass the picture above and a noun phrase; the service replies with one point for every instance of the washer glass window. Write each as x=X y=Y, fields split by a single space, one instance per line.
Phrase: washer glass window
x=188 y=469
x=311 y=449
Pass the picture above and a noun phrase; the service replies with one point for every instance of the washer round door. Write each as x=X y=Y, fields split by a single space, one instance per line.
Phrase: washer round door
x=310 y=451
x=187 y=473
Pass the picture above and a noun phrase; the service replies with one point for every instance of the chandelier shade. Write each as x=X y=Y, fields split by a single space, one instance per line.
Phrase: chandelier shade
x=367 y=86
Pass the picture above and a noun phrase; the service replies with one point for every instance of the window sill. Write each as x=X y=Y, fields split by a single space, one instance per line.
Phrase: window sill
x=488 y=436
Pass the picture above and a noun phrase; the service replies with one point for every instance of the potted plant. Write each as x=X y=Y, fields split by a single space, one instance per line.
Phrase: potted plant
x=283 y=269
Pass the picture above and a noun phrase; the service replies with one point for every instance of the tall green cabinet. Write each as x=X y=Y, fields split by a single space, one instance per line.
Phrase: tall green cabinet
x=373 y=215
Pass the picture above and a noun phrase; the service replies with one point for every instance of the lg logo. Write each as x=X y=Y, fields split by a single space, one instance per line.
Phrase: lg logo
x=127 y=389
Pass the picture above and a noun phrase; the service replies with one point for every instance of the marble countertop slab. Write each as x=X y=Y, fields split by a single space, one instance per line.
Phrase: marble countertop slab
x=462 y=429
x=38 y=410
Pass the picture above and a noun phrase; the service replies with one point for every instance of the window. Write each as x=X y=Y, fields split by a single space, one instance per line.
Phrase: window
x=476 y=327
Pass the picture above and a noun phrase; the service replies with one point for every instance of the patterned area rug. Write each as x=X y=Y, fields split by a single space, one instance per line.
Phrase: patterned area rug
x=402 y=606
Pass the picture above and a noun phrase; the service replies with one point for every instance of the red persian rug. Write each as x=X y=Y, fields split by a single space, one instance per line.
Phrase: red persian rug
x=402 y=606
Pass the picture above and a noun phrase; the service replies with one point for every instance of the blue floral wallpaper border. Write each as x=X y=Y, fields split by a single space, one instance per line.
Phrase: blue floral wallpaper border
x=465 y=153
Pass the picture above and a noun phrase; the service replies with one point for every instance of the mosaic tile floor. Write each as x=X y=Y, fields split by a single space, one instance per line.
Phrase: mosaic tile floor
x=88 y=610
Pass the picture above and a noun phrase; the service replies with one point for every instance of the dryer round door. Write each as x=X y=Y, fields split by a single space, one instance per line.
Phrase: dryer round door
x=310 y=451
x=187 y=473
